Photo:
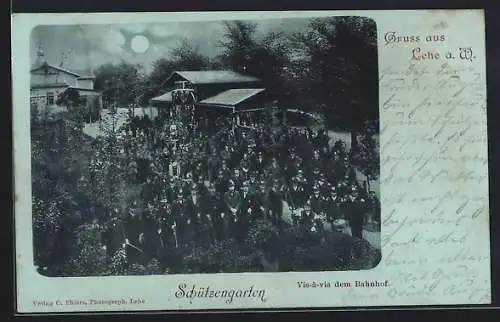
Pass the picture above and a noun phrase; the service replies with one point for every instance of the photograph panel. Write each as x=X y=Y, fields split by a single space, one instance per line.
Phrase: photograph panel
x=234 y=160
x=210 y=147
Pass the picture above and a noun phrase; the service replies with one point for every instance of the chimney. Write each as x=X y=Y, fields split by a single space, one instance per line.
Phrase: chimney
x=40 y=58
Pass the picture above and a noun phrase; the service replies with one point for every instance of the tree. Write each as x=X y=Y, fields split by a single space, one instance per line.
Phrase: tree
x=342 y=55
x=71 y=97
x=264 y=57
x=186 y=56
x=238 y=44
x=367 y=157
x=119 y=83
x=162 y=69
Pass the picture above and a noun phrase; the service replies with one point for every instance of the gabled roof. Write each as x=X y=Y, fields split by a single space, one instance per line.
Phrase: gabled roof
x=214 y=77
x=167 y=97
x=84 y=73
x=232 y=97
x=80 y=73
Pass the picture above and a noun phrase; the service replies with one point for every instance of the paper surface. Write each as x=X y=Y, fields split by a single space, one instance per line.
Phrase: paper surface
x=433 y=182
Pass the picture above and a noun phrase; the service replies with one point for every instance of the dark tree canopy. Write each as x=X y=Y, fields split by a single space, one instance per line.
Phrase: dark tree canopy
x=344 y=69
x=186 y=56
x=265 y=57
x=120 y=83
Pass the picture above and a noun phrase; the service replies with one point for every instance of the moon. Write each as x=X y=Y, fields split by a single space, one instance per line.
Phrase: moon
x=139 y=44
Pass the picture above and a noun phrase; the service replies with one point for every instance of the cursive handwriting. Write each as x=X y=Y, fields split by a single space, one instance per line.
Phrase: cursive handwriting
x=434 y=182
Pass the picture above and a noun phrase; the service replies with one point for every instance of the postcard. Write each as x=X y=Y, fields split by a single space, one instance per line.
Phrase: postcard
x=250 y=160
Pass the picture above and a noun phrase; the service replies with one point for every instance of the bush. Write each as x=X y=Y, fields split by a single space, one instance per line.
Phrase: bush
x=261 y=235
x=89 y=257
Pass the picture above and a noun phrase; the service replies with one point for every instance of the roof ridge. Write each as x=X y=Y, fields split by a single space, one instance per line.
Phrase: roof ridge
x=64 y=70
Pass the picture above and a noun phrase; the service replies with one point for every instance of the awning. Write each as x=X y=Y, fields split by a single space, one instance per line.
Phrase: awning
x=165 y=98
x=231 y=97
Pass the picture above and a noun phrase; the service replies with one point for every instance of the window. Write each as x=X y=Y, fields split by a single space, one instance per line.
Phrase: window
x=50 y=98
x=83 y=100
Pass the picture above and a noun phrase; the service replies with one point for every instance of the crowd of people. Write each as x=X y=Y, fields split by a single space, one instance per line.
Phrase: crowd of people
x=198 y=188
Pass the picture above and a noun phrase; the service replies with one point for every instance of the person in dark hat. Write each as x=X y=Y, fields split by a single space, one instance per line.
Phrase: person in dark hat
x=316 y=201
x=251 y=150
x=209 y=230
x=319 y=222
x=133 y=223
x=193 y=203
x=275 y=169
x=276 y=203
x=245 y=167
x=171 y=191
x=351 y=173
x=262 y=200
x=232 y=199
x=317 y=161
x=306 y=181
x=253 y=184
x=199 y=171
x=334 y=206
x=212 y=206
x=296 y=195
x=226 y=154
x=323 y=186
x=147 y=190
x=290 y=168
x=179 y=208
x=373 y=205
x=355 y=215
x=226 y=172
x=221 y=183
x=212 y=166
x=237 y=179
x=151 y=211
x=343 y=188
x=246 y=198
x=149 y=239
x=260 y=163
x=307 y=216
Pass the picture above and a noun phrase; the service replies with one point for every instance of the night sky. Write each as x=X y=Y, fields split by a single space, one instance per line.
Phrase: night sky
x=88 y=46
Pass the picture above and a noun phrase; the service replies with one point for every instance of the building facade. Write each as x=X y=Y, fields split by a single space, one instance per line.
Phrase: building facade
x=212 y=94
x=49 y=82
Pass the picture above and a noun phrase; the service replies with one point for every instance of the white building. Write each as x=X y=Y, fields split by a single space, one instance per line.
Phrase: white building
x=49 y=81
